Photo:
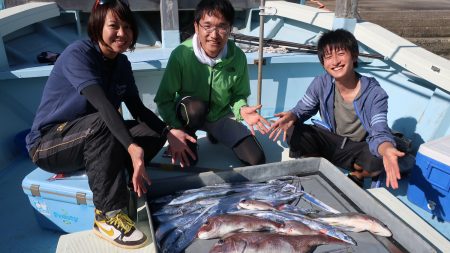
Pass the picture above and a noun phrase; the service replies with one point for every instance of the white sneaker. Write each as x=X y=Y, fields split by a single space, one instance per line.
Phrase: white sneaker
x=119 y=230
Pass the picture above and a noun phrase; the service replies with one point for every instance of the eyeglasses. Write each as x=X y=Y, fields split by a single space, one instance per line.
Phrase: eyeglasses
x=102 y=2
x=223 y=29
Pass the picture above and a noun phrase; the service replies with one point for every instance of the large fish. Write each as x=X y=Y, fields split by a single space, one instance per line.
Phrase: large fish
x=218 y=226
x=278 y=216
x=269 y=242
x=356 y=222
x=292 y=227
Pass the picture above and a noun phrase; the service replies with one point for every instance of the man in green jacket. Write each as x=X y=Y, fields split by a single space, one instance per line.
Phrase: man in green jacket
x=205 y=86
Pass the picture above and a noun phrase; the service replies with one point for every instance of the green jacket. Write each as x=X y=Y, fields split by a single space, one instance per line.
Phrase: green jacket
x=186 y=76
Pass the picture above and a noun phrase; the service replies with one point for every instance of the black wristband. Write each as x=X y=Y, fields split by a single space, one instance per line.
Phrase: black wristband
x=165 y=131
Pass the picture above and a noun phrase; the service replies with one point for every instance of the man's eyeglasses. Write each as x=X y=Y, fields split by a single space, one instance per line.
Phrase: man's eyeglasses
x=223 y=29
x=102 y=2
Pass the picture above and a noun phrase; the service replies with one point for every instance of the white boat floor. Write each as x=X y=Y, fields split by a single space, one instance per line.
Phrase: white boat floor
x=219 y=157
x=88 y=242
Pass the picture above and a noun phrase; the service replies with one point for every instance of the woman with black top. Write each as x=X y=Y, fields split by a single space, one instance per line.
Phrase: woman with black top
x=78 y=124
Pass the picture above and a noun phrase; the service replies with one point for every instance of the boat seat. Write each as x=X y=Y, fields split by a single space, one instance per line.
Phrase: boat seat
x=15 y=18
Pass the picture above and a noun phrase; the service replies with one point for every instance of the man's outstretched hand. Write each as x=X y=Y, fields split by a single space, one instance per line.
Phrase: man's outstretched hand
x=285 y=121
x=252 y=118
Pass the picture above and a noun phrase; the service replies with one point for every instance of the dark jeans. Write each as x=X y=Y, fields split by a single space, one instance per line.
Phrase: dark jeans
x=307 y=140
x=192 y=112
x=88 y=143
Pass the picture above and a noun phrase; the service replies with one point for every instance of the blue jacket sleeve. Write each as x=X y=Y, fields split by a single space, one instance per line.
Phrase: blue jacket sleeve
x=310 y=102
x=379 y=130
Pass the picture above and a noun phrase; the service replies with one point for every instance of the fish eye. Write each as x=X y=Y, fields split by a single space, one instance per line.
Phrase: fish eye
x=207 y=222
x=221 y=241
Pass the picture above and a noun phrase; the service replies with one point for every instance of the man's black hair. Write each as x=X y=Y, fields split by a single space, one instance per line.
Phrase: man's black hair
x=335 y=40
x=209 y=7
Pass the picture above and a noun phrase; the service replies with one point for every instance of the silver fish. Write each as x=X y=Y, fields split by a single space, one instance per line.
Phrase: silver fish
x=270 y=242
x=218 y=226
x=210 y=192
x=356 y=222
x=185 y=198
x=186 y=208
x=165 y=228
x=316 y=202
x=246 y=185
x=183 y=235
x=189 y=231
x=295 y=209
x=163 y=218
x=252 y=204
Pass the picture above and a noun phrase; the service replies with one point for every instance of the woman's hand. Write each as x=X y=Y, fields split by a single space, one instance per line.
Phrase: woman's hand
x=178 y=147
x=140 y=176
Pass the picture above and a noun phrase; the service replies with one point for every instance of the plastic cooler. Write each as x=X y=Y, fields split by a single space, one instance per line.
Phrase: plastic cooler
x=429 y=184
x=60 y=203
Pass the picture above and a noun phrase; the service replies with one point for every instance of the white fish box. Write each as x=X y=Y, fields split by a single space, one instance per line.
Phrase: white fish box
x=319 y=178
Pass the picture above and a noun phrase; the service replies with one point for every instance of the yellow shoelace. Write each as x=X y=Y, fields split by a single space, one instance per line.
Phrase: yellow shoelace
x=122 y=221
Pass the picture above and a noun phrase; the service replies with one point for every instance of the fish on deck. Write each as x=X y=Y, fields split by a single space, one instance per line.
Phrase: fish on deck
x=252 y=204
x=282 y=217
x=292 y=227
x=219 y=226
x=271 y=242
x=356 y=222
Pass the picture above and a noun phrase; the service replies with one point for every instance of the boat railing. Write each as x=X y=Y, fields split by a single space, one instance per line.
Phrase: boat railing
x=394 y=48
x=15 y=18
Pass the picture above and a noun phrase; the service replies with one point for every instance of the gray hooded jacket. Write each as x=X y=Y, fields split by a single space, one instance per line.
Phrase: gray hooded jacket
x=371 y=108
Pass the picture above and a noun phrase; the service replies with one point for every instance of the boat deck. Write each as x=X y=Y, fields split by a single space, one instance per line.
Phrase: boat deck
x=23 y=233
x=211 y=158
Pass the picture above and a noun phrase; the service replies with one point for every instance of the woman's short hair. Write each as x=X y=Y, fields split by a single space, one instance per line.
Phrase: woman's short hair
x=120 y=9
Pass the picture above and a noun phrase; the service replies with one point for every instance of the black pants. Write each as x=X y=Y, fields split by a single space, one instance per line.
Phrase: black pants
x=87 y=143
x=307 y=140
x=192 y=112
